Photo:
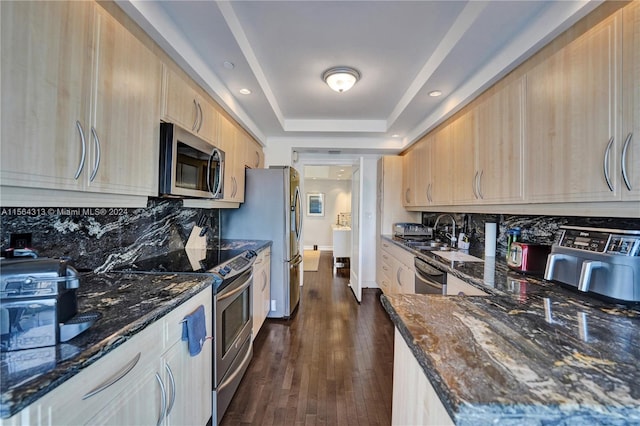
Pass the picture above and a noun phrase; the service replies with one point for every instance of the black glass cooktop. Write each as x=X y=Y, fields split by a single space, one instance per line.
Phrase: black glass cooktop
x=182 y=261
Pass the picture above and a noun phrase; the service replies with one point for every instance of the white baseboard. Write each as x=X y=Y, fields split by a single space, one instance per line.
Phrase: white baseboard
x=321 y=248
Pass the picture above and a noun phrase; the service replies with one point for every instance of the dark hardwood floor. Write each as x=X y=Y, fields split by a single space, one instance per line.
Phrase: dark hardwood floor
x=331 y=364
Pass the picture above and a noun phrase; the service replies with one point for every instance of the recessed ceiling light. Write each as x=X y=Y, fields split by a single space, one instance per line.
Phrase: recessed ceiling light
x=245 y=91
x=228 y=65
x=395 y=135
x=435 y=93
x=342 y=170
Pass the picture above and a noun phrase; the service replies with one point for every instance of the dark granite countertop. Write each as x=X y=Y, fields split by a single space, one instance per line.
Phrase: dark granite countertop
x=128 y=302
x=532 y=352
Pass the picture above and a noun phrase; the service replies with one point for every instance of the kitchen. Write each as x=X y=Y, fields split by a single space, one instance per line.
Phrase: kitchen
x=600 y=189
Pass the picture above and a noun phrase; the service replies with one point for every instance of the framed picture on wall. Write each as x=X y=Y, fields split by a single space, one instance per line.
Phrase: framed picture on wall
x=315 y=204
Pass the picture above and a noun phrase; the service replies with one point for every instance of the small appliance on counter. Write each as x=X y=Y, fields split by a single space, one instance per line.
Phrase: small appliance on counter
x=39 y=306
x=412 y=230
x=528 y=258
x=604 y=262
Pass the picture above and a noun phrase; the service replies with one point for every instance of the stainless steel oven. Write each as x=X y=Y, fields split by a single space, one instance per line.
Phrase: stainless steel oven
x=233 y=325
x=189 y=165
x=429 y=279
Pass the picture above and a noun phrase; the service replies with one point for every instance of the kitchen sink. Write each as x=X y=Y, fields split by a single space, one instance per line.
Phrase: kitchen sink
x=429 y=245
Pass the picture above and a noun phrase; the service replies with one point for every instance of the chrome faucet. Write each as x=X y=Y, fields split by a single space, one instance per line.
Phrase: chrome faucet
x=453 y=231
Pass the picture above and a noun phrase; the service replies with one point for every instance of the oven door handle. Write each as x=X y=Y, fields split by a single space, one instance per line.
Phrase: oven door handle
x=429 y=282
x=247 y=358
x=235 y=291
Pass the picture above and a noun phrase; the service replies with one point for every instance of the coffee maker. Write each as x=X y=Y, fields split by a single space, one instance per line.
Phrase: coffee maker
x=604 y=262
x=38 y=303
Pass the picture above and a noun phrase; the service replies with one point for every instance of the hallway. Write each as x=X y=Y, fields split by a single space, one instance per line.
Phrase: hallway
x=331 y=364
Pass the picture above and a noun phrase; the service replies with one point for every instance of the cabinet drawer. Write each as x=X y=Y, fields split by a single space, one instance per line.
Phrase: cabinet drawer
x=402 y=255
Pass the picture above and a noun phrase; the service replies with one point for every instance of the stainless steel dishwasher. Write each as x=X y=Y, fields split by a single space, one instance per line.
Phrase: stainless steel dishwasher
x=429 y=279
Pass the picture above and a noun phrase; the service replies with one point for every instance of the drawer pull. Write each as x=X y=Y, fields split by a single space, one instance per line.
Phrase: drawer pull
x=119 y=375
x=173 y=389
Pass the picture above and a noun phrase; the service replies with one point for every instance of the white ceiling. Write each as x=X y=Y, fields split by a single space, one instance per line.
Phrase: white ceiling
x=403 y=50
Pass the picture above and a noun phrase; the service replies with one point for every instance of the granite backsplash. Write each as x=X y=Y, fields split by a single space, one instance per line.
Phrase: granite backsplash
x=534 y=229
x=101 y=238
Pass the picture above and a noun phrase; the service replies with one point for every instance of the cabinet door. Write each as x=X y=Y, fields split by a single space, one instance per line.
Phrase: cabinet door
x=188 y=384
x=230 y=142
x=409 y=178
x=179 y=101
x=464 y=169
x=127 y=112
x=46 y=74
x=254 y=155
x=499 y=146
x=405 y=278
x=572 y=118
x=630 y=156
x=441 y=191
x=415 y=402
x=422 y=166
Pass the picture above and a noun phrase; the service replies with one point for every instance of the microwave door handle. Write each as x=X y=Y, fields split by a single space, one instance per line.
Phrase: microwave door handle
x=221 y=174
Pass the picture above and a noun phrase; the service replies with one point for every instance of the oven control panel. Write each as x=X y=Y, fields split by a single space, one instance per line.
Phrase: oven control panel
x=238 y=263
x=616 y=242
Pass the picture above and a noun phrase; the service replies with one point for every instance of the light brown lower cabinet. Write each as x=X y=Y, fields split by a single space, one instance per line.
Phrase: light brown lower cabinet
x=150 y=379
x=415 y=402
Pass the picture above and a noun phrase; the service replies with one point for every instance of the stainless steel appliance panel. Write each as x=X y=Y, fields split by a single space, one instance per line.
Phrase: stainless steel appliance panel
x=429 y=279
x=272 y=211
x=189 y=166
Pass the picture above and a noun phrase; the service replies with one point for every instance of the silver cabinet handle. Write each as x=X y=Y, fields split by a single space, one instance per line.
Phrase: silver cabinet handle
x=480 y=185
x=119 y=375
x=84 y=150
x=173 y=388
x=163 y=407
x=429 y=193
x=195 y=120
x=623 y=160
x=385 y=268
x=398 y=277
x=96 y=162
x=264 y=281
x=201 y=118
x=257 y=159
x=406 y=195
x=605 y=165
x=474 y=185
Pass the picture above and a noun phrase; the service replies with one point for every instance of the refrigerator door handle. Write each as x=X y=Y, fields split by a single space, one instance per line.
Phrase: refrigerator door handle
x=297 y=208
x=296 y=260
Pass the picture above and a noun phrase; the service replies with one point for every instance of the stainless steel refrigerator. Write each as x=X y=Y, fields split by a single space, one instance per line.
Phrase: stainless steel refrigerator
x=272 y=210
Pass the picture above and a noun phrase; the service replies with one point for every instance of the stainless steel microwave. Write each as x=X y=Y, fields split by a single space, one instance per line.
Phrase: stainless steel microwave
x=189 y=165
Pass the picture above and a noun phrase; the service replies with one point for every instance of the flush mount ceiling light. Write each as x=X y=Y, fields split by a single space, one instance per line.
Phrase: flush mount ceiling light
x=341 y=79
x=245 y=91
x=435 y=93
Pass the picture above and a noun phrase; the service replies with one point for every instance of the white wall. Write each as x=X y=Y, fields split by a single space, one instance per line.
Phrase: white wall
x=316 y=230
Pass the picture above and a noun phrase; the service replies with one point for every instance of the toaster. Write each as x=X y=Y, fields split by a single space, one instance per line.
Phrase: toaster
x=38 y=303
x=528 y=258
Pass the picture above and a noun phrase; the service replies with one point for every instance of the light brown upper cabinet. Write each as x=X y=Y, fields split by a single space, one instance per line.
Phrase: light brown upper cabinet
x=440 y=186
x=255 y=155
x=422 y=165
x=229 y=138
x=409 y=172
x=498 y=176
x=80 y=101
x=465 y=172
x=572 y=119
x=183 y=105
x=630 y=154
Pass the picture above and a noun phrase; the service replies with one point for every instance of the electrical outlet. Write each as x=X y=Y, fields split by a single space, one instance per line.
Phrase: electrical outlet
x=20 y=241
